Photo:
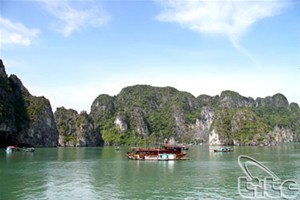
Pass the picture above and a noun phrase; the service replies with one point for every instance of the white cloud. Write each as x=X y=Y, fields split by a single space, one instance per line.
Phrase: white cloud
x=16 y=33
x=231 y=18
x=72 y=18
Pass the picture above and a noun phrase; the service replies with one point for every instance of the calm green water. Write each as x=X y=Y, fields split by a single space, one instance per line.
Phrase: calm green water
x=103 y=173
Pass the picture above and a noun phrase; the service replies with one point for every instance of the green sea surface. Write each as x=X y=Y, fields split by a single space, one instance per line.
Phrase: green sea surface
x=104 y=173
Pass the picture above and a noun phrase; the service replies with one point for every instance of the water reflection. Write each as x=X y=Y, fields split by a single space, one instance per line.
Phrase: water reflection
x=167 y=165
x=70 y=153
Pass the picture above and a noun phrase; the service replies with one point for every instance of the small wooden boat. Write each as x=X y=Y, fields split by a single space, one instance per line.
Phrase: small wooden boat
x=25 y=149
x=223 y=149
x=10 y=149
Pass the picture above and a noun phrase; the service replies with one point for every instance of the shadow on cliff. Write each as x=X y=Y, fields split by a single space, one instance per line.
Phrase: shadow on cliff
x=17 y=101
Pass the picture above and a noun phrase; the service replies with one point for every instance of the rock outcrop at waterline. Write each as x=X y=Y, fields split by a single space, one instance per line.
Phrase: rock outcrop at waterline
x=24 y=119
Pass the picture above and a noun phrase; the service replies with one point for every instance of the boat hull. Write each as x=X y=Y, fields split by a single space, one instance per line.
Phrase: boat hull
x=166 y=152
x=223 y=150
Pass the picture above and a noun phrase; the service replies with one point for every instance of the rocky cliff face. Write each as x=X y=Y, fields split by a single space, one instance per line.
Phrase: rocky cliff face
x=149 y=114
x=7 y=118
x=143 y=113
x=199 y=131
x=75 y=129
x=264 y=121
x=24 y=119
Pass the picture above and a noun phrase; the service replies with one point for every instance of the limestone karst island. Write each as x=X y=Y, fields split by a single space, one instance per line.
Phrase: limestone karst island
x=142 y=115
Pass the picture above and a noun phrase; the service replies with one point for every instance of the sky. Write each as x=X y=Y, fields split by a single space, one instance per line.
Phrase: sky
x=72 y=51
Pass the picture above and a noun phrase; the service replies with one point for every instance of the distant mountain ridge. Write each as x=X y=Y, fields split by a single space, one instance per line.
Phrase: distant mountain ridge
x=146 y=115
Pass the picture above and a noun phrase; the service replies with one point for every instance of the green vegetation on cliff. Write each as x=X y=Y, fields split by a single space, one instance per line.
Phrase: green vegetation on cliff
x=143 y=114
x=76 y=129
x=148 y=112
x=240 y=125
